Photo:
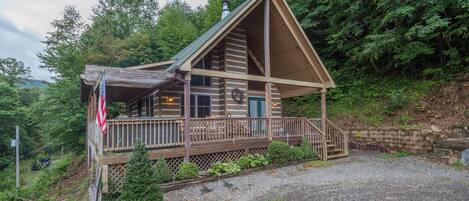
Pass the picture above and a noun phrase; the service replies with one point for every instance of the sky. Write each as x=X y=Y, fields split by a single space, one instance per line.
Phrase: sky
x=24 y=24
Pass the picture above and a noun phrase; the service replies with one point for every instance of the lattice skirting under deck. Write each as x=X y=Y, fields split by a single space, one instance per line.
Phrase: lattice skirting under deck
x=204 y=161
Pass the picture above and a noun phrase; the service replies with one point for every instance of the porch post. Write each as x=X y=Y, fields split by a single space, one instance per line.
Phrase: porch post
x=187 y=116
x=268 y=85
x=323 y=122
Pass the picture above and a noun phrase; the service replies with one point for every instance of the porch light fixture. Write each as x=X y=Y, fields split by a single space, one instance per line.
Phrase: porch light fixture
x=274 y=104
x=170 y=99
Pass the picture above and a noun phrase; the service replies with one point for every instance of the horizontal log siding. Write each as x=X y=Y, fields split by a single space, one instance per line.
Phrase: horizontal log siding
x=218 y=100
x=236 y=61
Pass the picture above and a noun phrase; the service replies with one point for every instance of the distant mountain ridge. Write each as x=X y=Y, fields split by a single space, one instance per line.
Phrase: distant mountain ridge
x=32 y=83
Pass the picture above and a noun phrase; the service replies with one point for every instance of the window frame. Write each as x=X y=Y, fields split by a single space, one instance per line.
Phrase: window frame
x=206 y=64
x=196 y=106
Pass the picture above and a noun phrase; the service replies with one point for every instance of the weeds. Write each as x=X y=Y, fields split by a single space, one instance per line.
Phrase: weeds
x=397 y=154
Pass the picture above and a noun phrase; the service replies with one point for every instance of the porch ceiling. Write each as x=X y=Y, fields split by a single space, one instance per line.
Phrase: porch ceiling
x=122 y=84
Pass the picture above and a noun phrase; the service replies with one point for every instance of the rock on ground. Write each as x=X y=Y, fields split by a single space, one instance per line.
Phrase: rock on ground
x=362 y=176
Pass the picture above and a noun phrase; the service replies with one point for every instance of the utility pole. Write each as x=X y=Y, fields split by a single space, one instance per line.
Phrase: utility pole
x=17 y=157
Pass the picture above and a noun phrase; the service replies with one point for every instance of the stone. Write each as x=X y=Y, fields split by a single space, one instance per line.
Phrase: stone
x=435 y=128
x=465 y=157
x=452 y=160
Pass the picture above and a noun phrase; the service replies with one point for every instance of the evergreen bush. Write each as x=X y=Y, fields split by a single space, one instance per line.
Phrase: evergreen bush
x=139 y=180
x=187 y=170
x=162 y=172
x=278 y=152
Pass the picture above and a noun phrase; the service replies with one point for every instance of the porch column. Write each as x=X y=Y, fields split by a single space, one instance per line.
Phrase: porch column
x=187 y=116
x=323 y=123
x=268 y=85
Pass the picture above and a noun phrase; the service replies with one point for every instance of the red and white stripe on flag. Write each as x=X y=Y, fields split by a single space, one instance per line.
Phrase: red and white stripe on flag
x=101 y=111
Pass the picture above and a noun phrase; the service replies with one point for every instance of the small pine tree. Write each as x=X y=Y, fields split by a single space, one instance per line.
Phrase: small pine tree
x=139 y=180
x=162 y=172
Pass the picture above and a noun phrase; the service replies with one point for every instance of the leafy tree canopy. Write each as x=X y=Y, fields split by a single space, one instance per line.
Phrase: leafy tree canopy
x=12 y=71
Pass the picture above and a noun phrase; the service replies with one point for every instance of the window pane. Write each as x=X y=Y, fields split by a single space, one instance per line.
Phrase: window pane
x=152 y=103
x=203 y=112
x=203 y=101
x=193 y=111
x=199 y=64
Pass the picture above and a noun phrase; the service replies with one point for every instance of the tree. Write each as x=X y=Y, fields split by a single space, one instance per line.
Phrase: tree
x=121 y=19
x=11 y=114
x=62 y=44
x=214 y=9
x=175 y=30
x=139 y=180
x=59 y=114
x=122 y=33
x=13 y=71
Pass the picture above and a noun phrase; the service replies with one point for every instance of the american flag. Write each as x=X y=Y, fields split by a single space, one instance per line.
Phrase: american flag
x=101 y=112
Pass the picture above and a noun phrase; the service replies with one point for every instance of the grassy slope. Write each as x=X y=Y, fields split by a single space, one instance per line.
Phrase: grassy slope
x=66 y=179
x=399 y=101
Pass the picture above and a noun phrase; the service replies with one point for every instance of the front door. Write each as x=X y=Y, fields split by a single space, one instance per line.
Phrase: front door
x=256 y=109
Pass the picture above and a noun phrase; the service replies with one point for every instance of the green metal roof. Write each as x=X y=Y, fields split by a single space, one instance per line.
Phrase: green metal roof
x=189 y=50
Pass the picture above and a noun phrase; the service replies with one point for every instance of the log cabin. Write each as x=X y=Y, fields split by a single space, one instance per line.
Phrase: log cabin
x=217 y=99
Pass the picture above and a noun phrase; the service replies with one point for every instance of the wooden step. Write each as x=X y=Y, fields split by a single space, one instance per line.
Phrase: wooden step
x=336 y=156
x=328 y=146
x=334 y=151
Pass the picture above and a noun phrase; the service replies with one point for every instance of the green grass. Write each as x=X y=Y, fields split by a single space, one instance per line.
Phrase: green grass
x=458 y=165
x=27 y=175
x=397 y=154
x=373 y=101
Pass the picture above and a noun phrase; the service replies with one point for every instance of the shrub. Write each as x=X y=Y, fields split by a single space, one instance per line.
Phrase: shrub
x=252 y=161
x=187 y=170
x=296 y=153
x=397 y=100
x=308 y=150
x=162 y=172
x=278 y=152
x=219 y=168
x=139 y=179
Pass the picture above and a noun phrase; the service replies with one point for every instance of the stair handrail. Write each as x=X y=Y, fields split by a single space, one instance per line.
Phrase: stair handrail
x=314 y=126
x=323 y=139
x=342 y=132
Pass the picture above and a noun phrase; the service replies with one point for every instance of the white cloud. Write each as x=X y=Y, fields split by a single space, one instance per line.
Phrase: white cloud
x=24 y=23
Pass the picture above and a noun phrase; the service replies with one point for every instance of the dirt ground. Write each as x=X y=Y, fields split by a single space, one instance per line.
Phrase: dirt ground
x=362 y=176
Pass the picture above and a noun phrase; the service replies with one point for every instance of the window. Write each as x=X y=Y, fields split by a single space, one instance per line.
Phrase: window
x=200 y=106
x=199 y=80
x=149 y=101
x=145 y=107
x=139 y=108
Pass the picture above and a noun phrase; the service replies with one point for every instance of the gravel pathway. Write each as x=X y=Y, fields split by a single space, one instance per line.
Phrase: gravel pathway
x=362 y=176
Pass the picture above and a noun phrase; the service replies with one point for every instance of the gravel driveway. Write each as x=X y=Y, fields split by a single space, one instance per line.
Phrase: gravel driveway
x=362 y=176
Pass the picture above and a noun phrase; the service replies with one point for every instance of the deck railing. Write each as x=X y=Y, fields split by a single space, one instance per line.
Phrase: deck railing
x=210 y=130
x=159 y=133
x=123 y=134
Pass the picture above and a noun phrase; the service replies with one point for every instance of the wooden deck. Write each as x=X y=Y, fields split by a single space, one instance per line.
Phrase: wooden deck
x=211 y=140
x=161 y=135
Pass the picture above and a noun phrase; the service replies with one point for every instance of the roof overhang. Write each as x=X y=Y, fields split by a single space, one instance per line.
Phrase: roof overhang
x=122 y=84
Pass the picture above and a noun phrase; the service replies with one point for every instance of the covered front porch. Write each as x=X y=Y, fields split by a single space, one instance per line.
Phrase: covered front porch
x=159 y=133
x=199 y=140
